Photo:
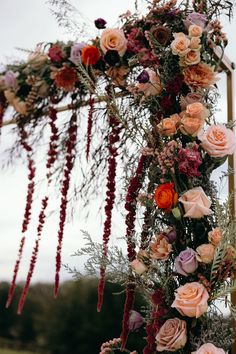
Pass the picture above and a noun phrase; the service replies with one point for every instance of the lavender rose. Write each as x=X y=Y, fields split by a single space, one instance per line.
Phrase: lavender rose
x=10 y=80
x=196 y=18
x=75 y=53
x=172 y=335
x=186 y=262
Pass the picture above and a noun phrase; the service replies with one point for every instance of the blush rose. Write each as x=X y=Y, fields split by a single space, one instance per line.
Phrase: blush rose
x=191 y=300
x=209 y=348
x=196 y=203
x=172 y=335
x=113 y=39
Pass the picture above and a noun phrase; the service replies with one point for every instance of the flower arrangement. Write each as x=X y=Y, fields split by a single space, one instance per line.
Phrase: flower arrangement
x=155 y=78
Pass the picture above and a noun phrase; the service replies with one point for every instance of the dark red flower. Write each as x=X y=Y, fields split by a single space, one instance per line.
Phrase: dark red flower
x=55 y=54
x=66 y=78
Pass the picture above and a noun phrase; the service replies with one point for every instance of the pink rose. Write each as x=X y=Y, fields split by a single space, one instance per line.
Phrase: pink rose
x=113 y=39
x=190 y=98
x=218 y=141
x=138 y=266
x=172 y=335
x=209 y=348
x=196 y=203
x=214 y=236
x=205 y=253
x=191 y=300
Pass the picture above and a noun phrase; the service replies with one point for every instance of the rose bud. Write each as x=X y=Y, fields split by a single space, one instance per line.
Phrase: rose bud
x=100 y=23
x=135 y=320
x=143 y=78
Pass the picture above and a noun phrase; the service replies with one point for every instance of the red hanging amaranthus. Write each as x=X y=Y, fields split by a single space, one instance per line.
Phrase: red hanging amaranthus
x=110 y=199
x=27 y=213
x=130 y=205
x=52 y=153
x=89 y=126
x=2 y=108
x=70 y=156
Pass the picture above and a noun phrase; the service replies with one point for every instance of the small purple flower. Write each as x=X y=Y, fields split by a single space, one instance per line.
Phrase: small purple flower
x=75 y=52
x=10 y=80
x=135 y=320
x=171 y=236
x=100 y=23
x=195 y=18
x=186 y=262
x=143 y=77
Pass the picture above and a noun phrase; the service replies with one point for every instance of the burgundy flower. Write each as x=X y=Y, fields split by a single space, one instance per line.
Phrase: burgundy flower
x=112 y=57
x=100 y=23
x=166 y=104
x=55 y=54
x=162 y=34
x=143 y=77
x=174 y=86
x=189 y=160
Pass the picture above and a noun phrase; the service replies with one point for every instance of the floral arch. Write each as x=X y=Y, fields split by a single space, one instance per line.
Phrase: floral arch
x=151 y=89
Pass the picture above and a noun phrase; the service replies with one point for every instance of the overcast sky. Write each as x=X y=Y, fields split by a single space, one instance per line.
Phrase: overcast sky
x=23 y=24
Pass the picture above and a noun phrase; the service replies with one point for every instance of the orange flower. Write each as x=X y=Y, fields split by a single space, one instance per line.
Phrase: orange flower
x=66 y=78
x=165 y=196
x=90 y=55
x=200 y=75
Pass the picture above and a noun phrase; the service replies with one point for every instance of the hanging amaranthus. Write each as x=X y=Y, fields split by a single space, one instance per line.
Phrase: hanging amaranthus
x=69 y=163
x=2 y=108
x=130 y=205
x=27 y=213
x=89 y=126
x=52 y=153
x=110 y=199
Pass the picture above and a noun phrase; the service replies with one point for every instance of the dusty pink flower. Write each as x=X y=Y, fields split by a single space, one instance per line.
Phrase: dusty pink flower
x=218 y=141
x=138 y=266
x=209 y=348
x=172 y=335
x=191 y=300
x=196 y=203
x=190 y=98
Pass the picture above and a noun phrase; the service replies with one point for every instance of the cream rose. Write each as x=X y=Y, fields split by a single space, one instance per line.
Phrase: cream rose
x=218 y=141
x=191 y=300
x=205 y=253
x=113 y=39
x=197 y=110
x=180 y=45
x=214 y=236
x=191 y=58
x=195 y=31
x=138 y=266
x=196 y=203
x=209 y=348
x=172 y=335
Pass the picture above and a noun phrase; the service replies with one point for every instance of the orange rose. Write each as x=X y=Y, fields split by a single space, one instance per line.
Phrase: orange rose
x=200 y=75
x=160 y=248
x=165 y=196
x=205 y=253
x=180 y=45
x=195 y=43
x=90 y=55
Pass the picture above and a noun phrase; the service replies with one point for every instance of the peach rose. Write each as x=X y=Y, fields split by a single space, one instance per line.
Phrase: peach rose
x=205 y=253
x=113 y=39
x=168 y=126
x=195 y=31
x=151 y=88
x=191 y=58
x=195 y=43
x=214 y=236
x=218 y=141
x=172 y=335
x=197 y=110
x=196 y=203
x=209 y=348
x=191 y=126
x=200 y=75
x=191 y=300
x=160 y=249
x=138 y=266
x=180 y=45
